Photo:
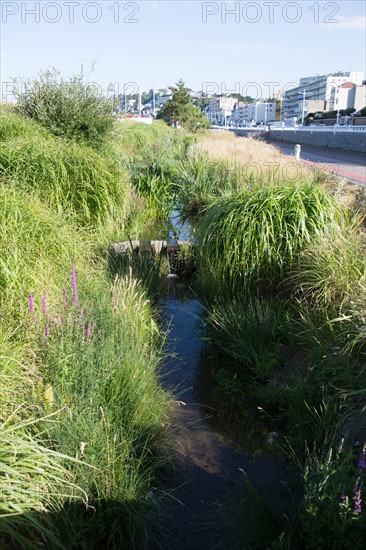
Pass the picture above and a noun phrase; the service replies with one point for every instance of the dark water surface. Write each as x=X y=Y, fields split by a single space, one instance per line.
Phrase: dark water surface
x=208 y=467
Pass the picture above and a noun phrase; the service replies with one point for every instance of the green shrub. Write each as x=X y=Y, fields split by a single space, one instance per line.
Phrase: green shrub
x=68 y=108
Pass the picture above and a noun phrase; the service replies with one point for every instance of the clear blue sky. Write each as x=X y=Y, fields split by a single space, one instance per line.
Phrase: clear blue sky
x=200 y=42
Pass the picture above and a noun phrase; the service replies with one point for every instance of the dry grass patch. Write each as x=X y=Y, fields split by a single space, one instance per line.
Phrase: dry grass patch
x=259 y=161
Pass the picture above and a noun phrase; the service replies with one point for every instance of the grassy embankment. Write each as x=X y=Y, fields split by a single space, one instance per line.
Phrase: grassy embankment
x=81 y=412
x=283 y=276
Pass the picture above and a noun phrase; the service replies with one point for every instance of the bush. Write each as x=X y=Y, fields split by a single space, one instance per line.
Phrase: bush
x=68 y=108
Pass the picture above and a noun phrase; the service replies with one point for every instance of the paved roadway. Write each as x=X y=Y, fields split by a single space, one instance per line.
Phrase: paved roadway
x=348 y=164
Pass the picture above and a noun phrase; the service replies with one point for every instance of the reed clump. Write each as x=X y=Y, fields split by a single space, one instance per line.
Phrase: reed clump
x=251 y=239
x=71 y=178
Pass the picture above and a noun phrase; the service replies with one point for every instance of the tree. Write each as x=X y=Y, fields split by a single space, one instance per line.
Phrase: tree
x=180 y=111
x=244 y=99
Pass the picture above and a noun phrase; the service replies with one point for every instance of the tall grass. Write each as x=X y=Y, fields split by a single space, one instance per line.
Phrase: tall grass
x=114 y=411
x=81 y=413
x=249 y=329
x=258 y=162
x=251 y=239
x=201 y=180
x=71 y=178
x=131 y=139
x=91 y=353
x=13 y=125
x=152 y=156
x=36 y=480
x=36 y=246
x=332 y=271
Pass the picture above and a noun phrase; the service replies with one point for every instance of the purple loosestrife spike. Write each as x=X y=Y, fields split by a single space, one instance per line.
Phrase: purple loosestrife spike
x=58 y=321
x=361 y=460
x=74 y=287
x=31 y=306
x=90 y=310
x=89 y=330
x=81 y=315
x=65 y=297
x=46 y=333
x=358 y=500
x=44 y=304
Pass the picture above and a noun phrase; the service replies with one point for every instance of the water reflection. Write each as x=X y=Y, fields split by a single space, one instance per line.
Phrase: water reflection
x=208 y=467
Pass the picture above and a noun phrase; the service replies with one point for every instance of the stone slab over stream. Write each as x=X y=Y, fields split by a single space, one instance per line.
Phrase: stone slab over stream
x=155 y=247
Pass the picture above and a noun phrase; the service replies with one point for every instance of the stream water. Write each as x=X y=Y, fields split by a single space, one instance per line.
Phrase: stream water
x=213 y=458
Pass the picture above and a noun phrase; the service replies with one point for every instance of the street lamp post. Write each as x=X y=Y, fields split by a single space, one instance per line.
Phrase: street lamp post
x=303 y=108
x=280 y=109
x=337 y=103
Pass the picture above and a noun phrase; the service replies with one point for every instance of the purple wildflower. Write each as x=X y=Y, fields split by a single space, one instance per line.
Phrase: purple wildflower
x=65 y=297
x=44 y=304
x=74 y=287
x=31 y=306
x=81 y=314
x=89 y=330
x=58 y=321
x=46 y=333
x=361 y=460
x=90 y=310
x=357 y=499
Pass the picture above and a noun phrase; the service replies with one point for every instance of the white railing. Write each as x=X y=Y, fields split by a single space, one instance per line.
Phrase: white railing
x=311 y=129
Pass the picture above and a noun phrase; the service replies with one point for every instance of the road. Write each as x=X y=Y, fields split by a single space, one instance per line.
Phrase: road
x=347 y=164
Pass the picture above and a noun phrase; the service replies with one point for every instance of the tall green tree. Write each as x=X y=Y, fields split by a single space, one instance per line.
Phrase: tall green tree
x=180 y=111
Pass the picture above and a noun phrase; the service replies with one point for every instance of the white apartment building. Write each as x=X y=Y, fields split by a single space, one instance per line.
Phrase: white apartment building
x=358 y=96
x=249 y=113
x=328 y=91
x=220 y=108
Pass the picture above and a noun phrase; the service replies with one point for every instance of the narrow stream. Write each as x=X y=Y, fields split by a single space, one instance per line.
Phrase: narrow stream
x=208 y=468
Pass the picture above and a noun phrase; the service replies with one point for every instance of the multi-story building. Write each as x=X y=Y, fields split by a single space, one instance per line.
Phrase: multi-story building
x=319 y=93
x=358 y=95
x=253 y=113
x=220 y=108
